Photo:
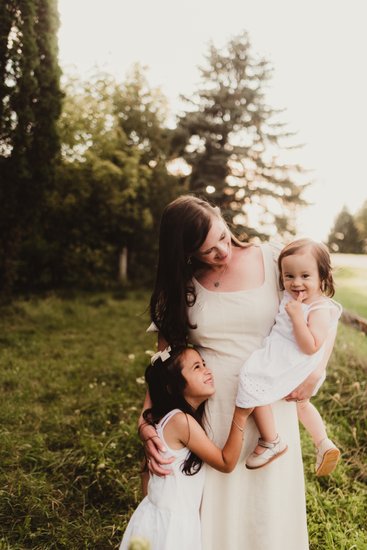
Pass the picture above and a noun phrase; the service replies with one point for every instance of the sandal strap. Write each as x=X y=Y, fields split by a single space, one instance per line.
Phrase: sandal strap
x=268 y=444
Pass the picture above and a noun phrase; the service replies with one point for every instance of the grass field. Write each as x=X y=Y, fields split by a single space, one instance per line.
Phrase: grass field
x=71 y=387
x=351 y=290
x=350 y=273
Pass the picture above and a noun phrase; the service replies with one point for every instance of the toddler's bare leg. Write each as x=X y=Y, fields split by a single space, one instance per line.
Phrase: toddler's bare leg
x=312 y=421
x=265 y=423
x=328 y=454
x=270 y=446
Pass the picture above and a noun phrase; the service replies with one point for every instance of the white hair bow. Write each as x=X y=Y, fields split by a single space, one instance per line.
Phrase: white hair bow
x=162 y=355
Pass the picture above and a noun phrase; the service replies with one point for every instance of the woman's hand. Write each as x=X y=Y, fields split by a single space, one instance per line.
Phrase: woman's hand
x=153 y=446
x=305 y=389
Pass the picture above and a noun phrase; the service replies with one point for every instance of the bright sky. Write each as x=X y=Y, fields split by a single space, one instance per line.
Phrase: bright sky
x=317 y=49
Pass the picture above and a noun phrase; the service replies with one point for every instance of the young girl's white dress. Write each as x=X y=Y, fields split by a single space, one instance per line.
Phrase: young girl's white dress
x=168 y=517
x=276 y=369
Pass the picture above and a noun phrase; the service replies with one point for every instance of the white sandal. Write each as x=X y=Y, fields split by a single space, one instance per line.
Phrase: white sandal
x=327 y=457
x=274 y=449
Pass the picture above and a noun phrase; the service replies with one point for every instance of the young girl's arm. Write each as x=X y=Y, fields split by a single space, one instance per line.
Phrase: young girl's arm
x=311 y=334
x=192 y=435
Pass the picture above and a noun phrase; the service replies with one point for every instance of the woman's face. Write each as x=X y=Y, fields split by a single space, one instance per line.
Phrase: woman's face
x=216 y=250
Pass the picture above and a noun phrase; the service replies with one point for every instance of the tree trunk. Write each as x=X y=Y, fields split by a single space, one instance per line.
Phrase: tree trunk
x=123 y=265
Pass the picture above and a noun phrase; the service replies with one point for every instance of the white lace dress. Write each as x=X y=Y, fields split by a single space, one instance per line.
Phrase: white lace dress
x=277 y=368
x=247 y=509
x=168 y=517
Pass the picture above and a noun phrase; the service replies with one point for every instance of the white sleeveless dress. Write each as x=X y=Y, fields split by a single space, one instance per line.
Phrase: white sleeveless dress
x=247 y=509
x=277 y=368
x=168 y=517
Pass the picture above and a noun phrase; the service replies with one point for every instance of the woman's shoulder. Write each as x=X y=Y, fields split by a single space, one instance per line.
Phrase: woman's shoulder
x=273 y=247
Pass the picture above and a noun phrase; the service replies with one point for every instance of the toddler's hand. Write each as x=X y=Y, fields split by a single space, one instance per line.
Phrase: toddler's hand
x=294 y=307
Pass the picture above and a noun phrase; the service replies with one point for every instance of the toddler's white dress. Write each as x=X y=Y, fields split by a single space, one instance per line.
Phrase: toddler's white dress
x=276 y=369
x=168 y=517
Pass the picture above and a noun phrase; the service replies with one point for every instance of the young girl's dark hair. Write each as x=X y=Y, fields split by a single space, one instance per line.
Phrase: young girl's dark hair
x=166 y=385
x=184 y=227
x=322 y=257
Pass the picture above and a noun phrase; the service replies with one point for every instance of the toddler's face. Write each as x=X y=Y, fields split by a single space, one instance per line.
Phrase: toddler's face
x=300 y=274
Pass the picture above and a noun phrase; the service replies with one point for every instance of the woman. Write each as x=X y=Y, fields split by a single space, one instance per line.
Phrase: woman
x=222 y=296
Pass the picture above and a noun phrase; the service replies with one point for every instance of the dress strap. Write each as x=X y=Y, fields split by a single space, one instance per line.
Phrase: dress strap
x=152 y=328
x=163 y=421
x=271 y=273
x=160 y=431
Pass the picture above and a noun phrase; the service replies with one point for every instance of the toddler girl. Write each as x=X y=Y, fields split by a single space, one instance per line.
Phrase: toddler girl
x=179 y=384
x=293 y=349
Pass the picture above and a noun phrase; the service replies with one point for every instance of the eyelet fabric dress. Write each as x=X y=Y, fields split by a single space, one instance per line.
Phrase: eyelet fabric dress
x=168 y=517
x=277 y=368
x=247 y=509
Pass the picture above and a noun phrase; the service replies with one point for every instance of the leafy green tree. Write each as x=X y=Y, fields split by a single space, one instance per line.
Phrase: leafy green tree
x=112 y=183
x=141 y=113
x=344 y=237
x=30 y=104
x=236 y=145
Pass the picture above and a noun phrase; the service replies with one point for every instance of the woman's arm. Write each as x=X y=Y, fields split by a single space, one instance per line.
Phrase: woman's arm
x=192 y=435
x=153 y=446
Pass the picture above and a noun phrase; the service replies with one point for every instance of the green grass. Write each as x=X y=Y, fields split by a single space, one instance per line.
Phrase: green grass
x=69 y=454
x=70 y=385
x=337 y=505
x=351 y=289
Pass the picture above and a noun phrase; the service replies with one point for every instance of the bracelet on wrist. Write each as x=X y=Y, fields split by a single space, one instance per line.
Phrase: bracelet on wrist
x=238 y=426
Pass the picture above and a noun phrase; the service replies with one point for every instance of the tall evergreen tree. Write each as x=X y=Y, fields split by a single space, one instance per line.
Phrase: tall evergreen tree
x=232 y=140
x=30 y=104
x=344 y=237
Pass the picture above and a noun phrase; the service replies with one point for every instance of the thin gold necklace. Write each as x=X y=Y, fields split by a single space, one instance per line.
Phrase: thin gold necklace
x=217 y=282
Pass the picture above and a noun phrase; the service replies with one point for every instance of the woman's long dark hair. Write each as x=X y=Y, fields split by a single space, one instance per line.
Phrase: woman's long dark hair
x=166 y=386
x=184 y=227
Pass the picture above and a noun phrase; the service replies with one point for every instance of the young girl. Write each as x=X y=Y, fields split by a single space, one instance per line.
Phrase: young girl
x=293 y=349
x=179 y=384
